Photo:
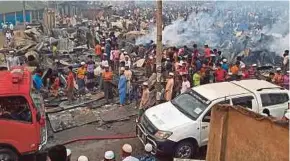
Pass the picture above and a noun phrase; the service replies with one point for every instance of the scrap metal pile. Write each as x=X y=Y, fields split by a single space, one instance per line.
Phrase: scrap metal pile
x=72 y=49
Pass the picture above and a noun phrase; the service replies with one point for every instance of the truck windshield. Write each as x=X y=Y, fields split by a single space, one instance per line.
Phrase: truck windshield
x=191 y=104
x=15 y=108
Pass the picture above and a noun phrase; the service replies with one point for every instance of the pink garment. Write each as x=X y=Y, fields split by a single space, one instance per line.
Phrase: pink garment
x=286 y=81
x=180 y=51
x=116 y=54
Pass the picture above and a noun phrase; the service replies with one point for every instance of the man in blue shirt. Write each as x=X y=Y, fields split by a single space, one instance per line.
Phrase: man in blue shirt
x=198 y=64
x=148 y=156
x=37 y=81
x=225 y=66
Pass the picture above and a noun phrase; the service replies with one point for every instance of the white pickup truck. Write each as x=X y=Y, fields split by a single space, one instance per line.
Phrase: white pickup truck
x=181 y=126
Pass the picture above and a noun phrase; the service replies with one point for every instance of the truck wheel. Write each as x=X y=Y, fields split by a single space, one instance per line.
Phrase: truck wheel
x=8 y=155
x=185 y=150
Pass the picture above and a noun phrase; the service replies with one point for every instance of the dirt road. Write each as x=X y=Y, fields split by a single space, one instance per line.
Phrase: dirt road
x=95 y=149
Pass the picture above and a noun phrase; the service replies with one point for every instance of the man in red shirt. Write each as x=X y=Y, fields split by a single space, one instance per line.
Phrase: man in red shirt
x=245 y=72
x=220 y=74
x=98 y=49
x=70 y=85
x=206 y=51
x=195 y=53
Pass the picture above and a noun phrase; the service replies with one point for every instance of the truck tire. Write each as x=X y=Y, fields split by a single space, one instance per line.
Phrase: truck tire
x=185 y=150
x=8 y=155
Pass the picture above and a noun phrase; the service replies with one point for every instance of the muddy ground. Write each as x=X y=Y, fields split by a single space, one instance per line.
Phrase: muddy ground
x=95 y=149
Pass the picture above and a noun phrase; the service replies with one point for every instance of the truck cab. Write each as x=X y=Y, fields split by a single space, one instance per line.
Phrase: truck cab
x=181 y=126
x=22 y=116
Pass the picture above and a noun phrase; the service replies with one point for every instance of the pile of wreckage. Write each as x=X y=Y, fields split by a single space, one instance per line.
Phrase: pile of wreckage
x=72 y=49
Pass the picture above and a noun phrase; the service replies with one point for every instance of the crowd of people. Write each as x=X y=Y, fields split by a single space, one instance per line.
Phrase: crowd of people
x=182 y=68
x=61 y=153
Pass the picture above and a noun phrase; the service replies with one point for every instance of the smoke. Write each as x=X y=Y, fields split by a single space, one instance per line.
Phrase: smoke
x=219 y=28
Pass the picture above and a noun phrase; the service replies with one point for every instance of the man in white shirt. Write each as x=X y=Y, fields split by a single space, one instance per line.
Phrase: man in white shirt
x=4 y=26
x=185 y=84
x=8 y=36
x=98 y=74
x=13 y=61
x=127 y=61
x=11 y=26
x=104 y=61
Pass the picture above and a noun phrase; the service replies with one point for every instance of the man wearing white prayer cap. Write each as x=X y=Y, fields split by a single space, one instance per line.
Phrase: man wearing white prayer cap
x=83 y=158
x=126 y=153
x=109 y=156
x=148 y=156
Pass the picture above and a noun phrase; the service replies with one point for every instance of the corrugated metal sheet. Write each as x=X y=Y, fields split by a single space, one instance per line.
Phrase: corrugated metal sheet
x=15 y=6
x=10 y=18
x=19 y=16
x=1 y=20
x=27 y=16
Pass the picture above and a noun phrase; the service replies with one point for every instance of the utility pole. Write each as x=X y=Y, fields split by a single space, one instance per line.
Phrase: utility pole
x=23 y=13
x=158 y=49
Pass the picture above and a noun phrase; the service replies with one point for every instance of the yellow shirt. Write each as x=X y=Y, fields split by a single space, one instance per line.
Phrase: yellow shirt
x=81 y=73
x=54 y=50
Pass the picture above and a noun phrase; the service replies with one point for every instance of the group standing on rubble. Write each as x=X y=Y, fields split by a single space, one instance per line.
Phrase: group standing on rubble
x=182 y=69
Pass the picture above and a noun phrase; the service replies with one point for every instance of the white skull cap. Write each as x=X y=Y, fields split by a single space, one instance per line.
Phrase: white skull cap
x=109 y=155
x=148 y=147
x=83 y=158
x=127 y=147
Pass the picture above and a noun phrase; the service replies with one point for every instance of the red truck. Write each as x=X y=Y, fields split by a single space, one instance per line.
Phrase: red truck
x=22 y=115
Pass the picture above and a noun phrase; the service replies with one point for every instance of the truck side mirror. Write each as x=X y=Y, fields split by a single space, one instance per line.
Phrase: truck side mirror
x=38 y=116
x=206 y=119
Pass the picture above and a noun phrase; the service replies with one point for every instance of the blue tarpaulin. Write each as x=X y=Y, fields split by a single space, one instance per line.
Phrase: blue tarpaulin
x=10 y=18
x=1 y=20
x=19 y=16
x=27 y=16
